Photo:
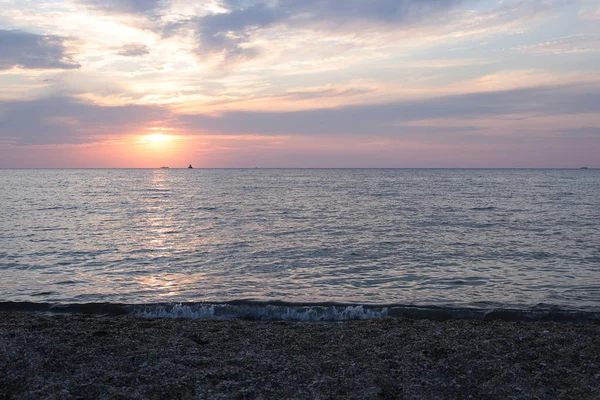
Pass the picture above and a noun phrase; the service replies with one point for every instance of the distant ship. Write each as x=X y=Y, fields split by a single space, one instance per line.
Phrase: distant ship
x=164 y=167
x=583 y=168
x=190 y=166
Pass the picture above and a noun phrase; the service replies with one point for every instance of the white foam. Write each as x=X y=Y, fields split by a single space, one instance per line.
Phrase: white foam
x=176 y=311
x=261 y=312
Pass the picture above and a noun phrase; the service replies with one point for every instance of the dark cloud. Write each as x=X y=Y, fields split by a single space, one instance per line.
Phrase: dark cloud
x=28 y=50
x=133 y=50
x=230 y=32
x=143 y=7
x=64 y=120
x=387 y=119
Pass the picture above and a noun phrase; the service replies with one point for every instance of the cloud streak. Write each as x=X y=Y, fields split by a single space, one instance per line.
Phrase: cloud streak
x=568 y=45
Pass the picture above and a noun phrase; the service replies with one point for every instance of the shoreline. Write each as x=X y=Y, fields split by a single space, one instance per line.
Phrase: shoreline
x=84 y=356
x=263 y=310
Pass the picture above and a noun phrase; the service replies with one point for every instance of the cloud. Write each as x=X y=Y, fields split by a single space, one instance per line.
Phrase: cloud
x=140 y=7
x=590 y=10
x=587 y=132
x=567 y=45
x=387 y=119
x=32 y=51
x=392 y=11
x=310 y=96
x=470 y=118
x=323 y=93
x=231 y=32
x=133 y=50
x=66 y=120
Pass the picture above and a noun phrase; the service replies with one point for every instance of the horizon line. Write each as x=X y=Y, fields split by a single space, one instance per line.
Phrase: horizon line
x=263 y=168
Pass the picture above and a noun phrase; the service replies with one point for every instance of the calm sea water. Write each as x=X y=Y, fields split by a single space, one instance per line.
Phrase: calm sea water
x=512 y=238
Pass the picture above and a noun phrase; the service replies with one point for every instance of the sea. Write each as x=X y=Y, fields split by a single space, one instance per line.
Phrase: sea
x=301 y=244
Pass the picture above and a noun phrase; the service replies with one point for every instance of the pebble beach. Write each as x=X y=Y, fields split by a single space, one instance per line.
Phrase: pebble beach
x=126 y=357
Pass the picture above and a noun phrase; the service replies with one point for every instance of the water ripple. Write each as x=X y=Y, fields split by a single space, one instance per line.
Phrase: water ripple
x=461 y=237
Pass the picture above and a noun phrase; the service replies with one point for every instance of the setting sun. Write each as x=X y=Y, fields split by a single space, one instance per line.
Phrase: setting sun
x=158 y=138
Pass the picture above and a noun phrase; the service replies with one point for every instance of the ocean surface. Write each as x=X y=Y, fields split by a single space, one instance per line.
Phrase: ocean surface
x=518 y=239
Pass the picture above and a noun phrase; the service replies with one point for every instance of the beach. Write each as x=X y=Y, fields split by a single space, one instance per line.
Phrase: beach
x=126 y=357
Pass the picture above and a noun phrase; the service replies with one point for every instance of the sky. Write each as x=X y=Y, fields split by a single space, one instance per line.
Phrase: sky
x=299 y=83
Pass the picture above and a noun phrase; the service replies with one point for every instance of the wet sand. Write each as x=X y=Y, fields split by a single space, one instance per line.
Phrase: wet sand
x=90 y=357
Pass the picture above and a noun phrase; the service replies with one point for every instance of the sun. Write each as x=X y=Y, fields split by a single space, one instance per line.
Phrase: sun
x=158 y=138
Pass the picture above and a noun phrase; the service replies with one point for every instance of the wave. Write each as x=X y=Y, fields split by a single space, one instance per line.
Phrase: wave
x=310 y=312
x=262 y=312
